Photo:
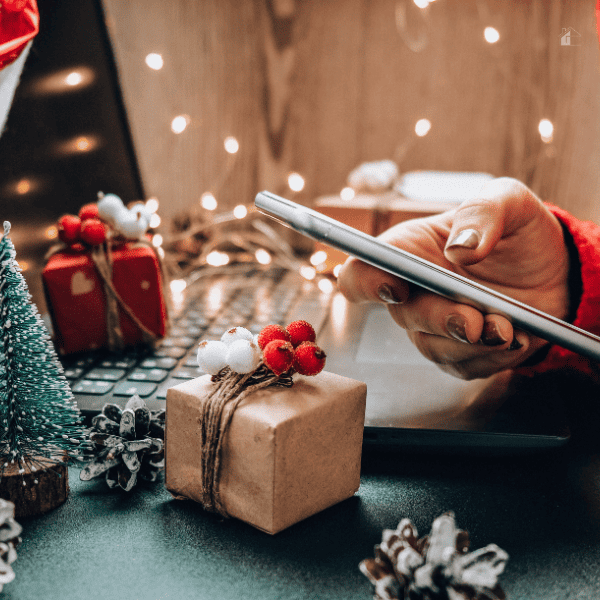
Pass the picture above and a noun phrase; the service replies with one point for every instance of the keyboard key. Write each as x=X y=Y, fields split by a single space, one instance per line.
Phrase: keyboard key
x=75 y=373
x=128 y=388
x=106 y=374
x=158 y=363
x=93 y=387
x=154 y=375
x=187 y=373
x=170 y=352
x=119 y=362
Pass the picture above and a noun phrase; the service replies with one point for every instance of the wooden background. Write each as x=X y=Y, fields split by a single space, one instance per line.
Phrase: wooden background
x=318 y=86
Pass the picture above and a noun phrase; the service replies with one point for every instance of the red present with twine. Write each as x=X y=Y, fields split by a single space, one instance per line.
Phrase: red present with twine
x=107 y=297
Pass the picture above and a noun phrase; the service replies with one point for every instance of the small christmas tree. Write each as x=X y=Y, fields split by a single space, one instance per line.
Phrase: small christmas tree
x=40 y=423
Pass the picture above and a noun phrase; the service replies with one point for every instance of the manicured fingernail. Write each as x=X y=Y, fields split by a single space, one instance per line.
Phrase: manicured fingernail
x=388 y=294
x=491 y=336
x=515 y=344
x=456 y=326
x=468 y=239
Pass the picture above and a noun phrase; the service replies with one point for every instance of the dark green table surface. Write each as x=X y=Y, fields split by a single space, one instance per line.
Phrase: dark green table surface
x=544 y=510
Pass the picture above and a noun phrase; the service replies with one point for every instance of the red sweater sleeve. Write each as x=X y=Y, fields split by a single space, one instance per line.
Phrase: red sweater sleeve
x=586 y=237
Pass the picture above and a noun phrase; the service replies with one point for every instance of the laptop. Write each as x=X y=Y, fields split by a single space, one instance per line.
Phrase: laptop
x=411 y=404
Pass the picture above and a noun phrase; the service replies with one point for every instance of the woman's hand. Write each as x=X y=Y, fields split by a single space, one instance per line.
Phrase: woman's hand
x=505 y=239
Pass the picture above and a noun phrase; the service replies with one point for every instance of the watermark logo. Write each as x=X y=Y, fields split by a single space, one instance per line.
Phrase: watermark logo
x=570 y=37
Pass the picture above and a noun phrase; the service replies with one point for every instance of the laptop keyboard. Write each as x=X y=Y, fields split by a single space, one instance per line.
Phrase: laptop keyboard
x=252 y=298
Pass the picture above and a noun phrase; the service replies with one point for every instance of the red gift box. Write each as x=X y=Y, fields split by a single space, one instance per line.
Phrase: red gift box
x=77 y=297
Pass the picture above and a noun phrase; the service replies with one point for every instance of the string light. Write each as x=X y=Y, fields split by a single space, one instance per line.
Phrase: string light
x=347 y=194
x=154 y=61
x=74 y=78
x=546 y=130
x=154 y=221
x=336 y=270
x=326 y=286
x=231 y=145
x=23 y=187
x=178 y=285
x=208 y=201
x=318 y=257
x=491 y=35
x=296 y=182
x=180 y=123
x=152 y=204
x=51 y=232
x=263 y=256
x=421 y=3
x=308 y=272
x=422 y=127
x=217 y=259
x=157 y=240
x=240 y=211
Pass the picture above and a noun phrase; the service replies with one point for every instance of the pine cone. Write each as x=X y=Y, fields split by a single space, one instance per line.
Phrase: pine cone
x=128 y=443
x=435 y=567
x=9 y=539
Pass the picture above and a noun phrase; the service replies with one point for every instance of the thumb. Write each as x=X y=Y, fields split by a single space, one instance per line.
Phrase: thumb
x=501 y=208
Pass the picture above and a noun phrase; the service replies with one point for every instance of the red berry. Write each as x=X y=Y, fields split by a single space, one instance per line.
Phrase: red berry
x=278 y=355
x=301 y=331
x=88 y=211
x=93 y=232
x=309 y=359
x=69 y=228
x=270 y=333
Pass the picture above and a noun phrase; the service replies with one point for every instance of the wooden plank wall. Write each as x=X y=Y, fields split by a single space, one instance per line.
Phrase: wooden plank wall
x=318 y=86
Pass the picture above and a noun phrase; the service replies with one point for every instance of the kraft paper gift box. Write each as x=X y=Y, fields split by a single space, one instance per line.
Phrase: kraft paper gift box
x=289 y=453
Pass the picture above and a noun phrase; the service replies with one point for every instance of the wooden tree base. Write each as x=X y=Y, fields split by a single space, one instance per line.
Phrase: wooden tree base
x=33 y=498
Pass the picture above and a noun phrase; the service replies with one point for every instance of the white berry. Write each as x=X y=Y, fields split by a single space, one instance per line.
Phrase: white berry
x=237 y=333
x=243 y=356
x=212 y=356
x=109 y=206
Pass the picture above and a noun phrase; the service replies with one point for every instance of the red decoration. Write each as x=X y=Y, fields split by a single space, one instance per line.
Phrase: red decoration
x=278 y=356
x=93 y=232
x=309 y=359
x=76 y=297
x=89 y=211
x=270 y=333
x=301 y=331
x=19 y=23
x=69 y=229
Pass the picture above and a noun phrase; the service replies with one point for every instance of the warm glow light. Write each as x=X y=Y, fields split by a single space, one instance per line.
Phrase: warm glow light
x=491 y=35
x=152 y=204
x=24 y=265
x=23 y=186
x=336 y=270
x=296 y=182
x=208 y=201
x=240 y=211
x=82 y=144
x=546 y=130
x=154 y=221
x=74 y=78
x=51 y=233
x=178 y=285
x=262 y=256
x=325 y=286
x=217 y=259
x=318 y=257
x=77 y=145
x=421 y=3
x=157 y=240
x=347 y=194
x=179 y=123
x=231 y=145
x=308 y=272
x=154 y=61
x=422 y=127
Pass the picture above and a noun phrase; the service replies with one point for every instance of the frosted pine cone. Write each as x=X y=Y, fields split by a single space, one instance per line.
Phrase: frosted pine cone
x=128 y=444
x=435 y=567
x=9 y=539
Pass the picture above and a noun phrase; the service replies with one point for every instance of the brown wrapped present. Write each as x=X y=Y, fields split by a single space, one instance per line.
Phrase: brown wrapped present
x=288 y=453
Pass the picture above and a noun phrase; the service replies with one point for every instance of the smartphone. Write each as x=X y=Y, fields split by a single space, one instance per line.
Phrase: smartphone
x=427 y=274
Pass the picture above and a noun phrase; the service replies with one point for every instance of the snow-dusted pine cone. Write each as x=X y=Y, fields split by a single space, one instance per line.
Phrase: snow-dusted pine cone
x=128 y=444
x=435 y=567
x=10 y=531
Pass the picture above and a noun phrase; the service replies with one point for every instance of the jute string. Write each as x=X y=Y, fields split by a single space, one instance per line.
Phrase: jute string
x=217 y=412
